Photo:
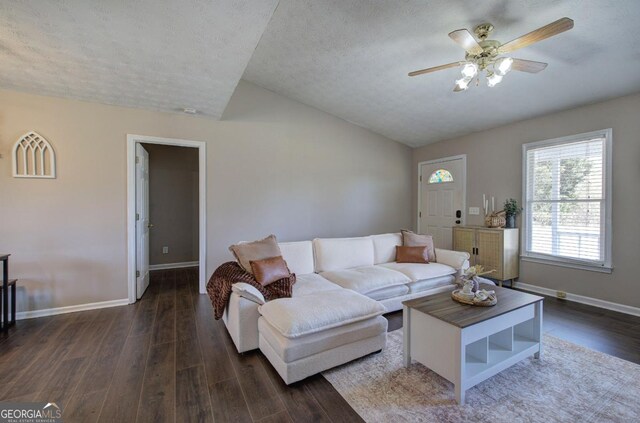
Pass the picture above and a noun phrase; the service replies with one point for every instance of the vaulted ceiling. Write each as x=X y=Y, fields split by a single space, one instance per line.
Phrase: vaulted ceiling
x=155 y=54
x=349 y=58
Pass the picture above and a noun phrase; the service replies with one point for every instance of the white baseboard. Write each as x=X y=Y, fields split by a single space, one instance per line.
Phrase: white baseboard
x=622 y=308
x=174 y=265
x=20 y=315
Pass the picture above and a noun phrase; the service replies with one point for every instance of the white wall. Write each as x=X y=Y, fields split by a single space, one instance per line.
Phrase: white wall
x=273 y=166
x=494 y=167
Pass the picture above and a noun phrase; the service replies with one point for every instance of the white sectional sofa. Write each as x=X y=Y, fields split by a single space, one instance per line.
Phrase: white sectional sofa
x=343 y=287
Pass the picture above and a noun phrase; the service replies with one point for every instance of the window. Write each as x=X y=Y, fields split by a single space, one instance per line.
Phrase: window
x=440 y=176
x=567 y=189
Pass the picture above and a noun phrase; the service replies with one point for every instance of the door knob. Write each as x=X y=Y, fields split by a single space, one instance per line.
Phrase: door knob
x=149 y=225
x=457 y=222
x=458 y=214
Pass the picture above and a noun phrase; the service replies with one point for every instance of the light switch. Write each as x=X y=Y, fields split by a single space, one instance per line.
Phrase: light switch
x=165 y=250
x=474 y=210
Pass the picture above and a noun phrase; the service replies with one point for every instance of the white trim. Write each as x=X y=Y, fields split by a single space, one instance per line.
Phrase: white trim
x=173 y=265
x=565 y=263
x=70 y=309
x=131 y=205
x=621 y=308
x=463 y=219
x=605 y=267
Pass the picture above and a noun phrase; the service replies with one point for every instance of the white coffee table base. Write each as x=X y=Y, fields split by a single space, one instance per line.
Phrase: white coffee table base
x=468 y=356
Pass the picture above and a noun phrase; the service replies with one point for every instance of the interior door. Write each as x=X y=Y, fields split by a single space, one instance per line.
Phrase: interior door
x=442 y=187
x=142 y=220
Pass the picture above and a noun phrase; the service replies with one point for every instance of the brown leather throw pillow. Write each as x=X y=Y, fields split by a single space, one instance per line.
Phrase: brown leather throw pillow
x=244 y=252
x=411 y=254
x=411 y=239
x=269 y=270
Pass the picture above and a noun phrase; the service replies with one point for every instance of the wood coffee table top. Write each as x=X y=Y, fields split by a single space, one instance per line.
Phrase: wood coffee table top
x=443 y=307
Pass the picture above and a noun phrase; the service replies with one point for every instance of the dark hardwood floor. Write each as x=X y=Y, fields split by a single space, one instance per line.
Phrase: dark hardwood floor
x=166 y=359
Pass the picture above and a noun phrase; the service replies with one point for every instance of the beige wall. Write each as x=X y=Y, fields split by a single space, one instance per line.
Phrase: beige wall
x=273 y=166
x=494 y=166
x=173 y=203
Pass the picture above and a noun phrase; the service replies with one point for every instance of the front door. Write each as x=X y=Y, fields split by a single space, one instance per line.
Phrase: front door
x=142 y=220
x=442 y=186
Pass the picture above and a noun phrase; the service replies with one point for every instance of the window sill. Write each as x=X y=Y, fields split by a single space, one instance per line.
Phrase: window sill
x=569 y=264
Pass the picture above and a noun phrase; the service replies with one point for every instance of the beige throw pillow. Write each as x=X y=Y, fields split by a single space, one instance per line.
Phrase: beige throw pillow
x=411 y=239
x=245 y=252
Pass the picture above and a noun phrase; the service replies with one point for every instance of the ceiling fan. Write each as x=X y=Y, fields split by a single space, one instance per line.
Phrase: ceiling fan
x=488 y=55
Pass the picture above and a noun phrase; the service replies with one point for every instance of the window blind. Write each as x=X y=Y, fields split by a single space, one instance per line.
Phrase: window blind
x=566 y=200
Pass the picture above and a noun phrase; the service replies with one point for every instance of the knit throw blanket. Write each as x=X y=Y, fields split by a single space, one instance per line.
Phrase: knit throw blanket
x=219 y=286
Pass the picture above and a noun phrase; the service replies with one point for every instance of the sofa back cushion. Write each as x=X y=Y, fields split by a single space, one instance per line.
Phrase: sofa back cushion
x=342 y=253
x=384 y=247
x=298 y=255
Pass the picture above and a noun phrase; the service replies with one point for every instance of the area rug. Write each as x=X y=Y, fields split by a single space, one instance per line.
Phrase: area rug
x=570 y=384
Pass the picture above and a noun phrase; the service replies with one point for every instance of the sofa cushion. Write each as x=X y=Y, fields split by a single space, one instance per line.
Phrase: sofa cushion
x=418 y=272
x=269 y=270
x=295 y=349
x=264 y=248
x=411 y=254
x=298 y=255
x=431 y=283
x=366 y=279
x=312 y=283
x=411 y=239
x=295 y=317
x=342 y=253
x=388 y=292
x=384 y=247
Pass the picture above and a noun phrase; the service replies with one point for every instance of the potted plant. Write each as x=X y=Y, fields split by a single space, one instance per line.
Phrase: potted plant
x=511 y=210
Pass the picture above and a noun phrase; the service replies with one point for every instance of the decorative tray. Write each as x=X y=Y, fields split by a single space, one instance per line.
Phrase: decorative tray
x=457 y=296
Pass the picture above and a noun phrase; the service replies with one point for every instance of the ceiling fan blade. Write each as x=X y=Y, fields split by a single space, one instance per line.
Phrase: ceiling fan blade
x=466 y=41
x=554 y=28
x=436 y=68
x=527 y=66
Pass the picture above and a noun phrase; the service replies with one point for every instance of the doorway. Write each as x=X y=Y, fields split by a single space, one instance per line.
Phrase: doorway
x=144 y=237
x=441 y=198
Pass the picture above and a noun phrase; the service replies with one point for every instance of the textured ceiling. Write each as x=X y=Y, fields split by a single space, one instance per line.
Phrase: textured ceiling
x=155 y=54
x=351 y=58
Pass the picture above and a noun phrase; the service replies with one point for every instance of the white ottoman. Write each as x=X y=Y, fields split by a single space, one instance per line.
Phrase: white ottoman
x=307 y=335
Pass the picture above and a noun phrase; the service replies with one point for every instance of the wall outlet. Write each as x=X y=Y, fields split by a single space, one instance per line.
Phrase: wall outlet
x=474 y=211
x=561 y=295
x=165 y=250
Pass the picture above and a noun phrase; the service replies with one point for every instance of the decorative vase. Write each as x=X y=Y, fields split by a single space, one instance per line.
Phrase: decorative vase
x=511 y=221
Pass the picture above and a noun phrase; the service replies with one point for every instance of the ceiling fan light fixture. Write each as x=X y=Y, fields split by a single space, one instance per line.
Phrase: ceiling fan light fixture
x=494 y=79
x=463 y=83
x=503 y=65
x=470 y=70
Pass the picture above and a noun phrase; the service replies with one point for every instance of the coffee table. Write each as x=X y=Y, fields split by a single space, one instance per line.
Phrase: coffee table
x=468 y=344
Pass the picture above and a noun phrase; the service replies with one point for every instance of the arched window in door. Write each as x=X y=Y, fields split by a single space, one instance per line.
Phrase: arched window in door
x=440 y=176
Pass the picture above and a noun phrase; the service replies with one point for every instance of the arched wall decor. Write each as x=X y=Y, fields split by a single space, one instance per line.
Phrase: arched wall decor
x=33 y=157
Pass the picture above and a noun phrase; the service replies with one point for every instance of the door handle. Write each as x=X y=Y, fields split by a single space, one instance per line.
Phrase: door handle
x=149 y=225
x=457 y=222
x=458 y=214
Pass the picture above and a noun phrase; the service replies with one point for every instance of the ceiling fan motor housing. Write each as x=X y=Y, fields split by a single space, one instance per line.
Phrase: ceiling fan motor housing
x=488 y=55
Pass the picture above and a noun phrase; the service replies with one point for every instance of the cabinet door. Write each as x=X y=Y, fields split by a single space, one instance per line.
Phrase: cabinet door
x=464 y=240
x=490 y=249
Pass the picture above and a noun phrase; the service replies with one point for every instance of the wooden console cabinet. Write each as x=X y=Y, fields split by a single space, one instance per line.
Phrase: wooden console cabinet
x=493 y=248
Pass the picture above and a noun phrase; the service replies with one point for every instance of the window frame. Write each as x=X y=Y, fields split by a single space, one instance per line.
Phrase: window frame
x=606 y=266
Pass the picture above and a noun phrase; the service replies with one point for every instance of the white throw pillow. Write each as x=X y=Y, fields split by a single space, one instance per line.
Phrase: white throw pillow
x=249 y=292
